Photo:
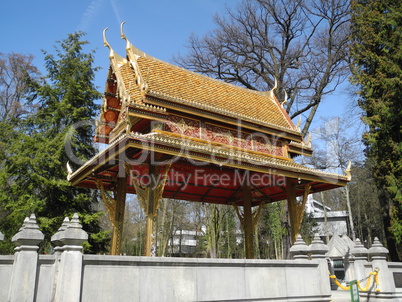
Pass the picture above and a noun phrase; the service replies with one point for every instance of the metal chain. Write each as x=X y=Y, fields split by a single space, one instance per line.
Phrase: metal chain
x=347 y=282
x=374 y=273
x=361 y=280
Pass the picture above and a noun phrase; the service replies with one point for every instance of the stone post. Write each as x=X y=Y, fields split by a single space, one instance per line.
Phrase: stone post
x=378 y=255
x=356 y=270
x=299 y=249
x=58 y=249
x=23 y=278
x=318 y=249
x=70 y=268
x=56 y=238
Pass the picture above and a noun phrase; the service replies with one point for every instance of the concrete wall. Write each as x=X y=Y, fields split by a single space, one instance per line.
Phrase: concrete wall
x=6 y=268
x=396 y=271
x=125 y=278
x=128 y=278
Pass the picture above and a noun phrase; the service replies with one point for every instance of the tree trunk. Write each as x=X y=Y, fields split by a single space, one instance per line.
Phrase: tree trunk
x=164 y=234
x=352 y=229
x=325 y=217
x=256 y=244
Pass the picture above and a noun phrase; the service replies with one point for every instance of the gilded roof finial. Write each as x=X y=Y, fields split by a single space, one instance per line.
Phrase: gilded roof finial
x=106 y=44
x=69 y=171
x=276 y=84
x=271 y=92
x=286 y=98
x=297 y=128
x=123 y=36
x=308 y=141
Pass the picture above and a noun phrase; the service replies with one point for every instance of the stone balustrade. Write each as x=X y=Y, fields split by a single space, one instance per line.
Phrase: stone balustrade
x=69 y=275
x=361 y=263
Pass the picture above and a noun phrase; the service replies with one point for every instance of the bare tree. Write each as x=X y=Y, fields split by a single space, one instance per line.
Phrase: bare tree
x=366 y=204
x=172 y=220
x=337 y=147
x=16 y=75
x=214 y=219
x=303 y=44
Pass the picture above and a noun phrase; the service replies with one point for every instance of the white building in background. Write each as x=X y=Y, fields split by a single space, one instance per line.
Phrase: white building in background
x=184 y=243
x=337 y=222
x=334 y=225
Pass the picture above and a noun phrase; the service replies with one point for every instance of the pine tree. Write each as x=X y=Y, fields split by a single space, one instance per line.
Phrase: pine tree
x=34 y=175
x=377 y=58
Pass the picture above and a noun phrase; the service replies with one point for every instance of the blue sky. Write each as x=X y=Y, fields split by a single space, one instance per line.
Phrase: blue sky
x=157 y=27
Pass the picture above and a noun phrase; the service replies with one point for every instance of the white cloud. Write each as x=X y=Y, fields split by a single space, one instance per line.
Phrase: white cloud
x=89 y=14
x=116 y=12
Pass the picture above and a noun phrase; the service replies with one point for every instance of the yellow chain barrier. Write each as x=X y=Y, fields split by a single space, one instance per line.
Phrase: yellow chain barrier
x=363 y=289
x=338 y=283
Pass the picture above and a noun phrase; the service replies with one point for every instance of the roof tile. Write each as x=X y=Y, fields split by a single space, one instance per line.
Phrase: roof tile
x=166 y=79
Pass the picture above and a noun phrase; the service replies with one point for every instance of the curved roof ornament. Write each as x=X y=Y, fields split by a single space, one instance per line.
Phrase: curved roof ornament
x=69 y=170
x=276 y=84
x=308 y=141
x=132 y=55
x=123 y=36
x=297 y=128
x=130 y=48
x=271 y=92
x=106 y=44
x=286 y=98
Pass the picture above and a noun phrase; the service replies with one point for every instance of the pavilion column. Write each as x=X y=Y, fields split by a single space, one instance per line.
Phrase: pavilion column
x=115 y=208
x=149 y=196
x=295 y=208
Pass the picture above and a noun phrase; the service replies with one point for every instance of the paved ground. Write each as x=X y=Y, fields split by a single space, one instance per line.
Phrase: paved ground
x=341 y=296
x=344 y=296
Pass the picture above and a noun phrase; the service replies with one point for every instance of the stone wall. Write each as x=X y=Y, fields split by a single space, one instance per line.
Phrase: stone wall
x=363 y=261
x=69 y=275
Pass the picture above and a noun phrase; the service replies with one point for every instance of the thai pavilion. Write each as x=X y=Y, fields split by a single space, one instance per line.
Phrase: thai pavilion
x=173 y=133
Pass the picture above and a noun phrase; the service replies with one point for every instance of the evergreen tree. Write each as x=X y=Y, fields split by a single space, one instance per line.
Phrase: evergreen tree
x=377 y=55
x=33 y=178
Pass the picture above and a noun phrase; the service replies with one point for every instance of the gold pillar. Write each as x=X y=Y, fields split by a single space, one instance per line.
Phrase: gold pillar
x=295 y=208
x=149 y=223
x=149 y=195
x=115 y=208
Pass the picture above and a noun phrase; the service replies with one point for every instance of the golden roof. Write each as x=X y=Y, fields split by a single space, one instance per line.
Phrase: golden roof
x=145 y=77
x=175 y=83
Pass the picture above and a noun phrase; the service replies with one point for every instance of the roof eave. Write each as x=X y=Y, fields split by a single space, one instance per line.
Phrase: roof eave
x=110 y=155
